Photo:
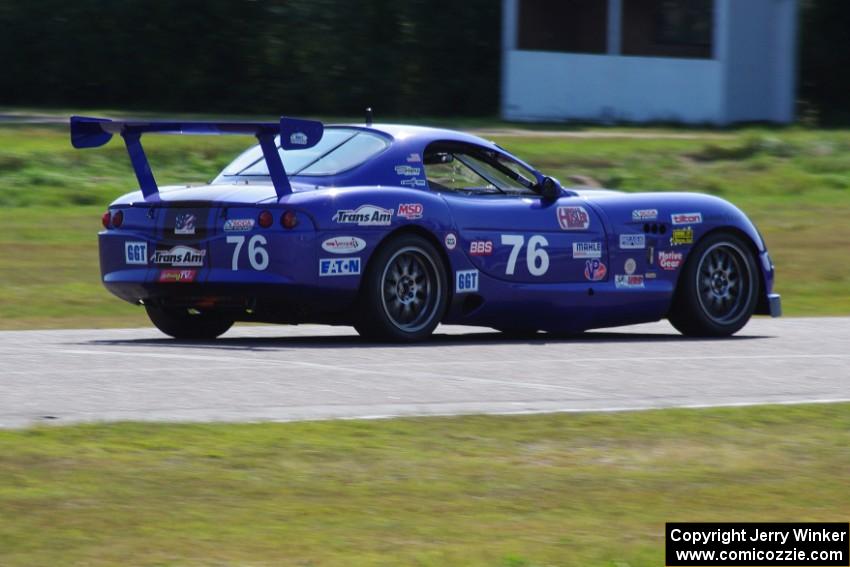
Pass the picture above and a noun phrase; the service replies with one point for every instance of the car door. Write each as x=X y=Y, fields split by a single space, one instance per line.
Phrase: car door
x=508 y=231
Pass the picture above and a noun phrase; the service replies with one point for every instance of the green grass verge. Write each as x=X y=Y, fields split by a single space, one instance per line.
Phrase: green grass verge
x=795 y=184
x=590 y=489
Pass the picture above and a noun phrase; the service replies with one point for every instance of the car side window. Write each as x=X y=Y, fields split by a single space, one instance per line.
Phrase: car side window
x=473 y=170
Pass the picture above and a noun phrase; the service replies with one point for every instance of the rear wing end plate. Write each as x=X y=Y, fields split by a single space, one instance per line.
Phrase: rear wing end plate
x=295 y=134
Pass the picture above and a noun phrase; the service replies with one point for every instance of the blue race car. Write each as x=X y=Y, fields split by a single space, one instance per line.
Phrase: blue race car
x=394 y=229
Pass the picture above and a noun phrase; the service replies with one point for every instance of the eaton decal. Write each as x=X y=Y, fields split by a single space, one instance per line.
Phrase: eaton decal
x=595 y=270
x=343 y=244
x=339 y=267
x=466 y=281
x=643 y=215
x=573 y=218
x=632 y=241
x=180 y=256
x=582 y=250
x=365 y=215
x=411 y=211
x=238 y=225
x=686 y=218
x=481 y=248
x=136 y=253
x=670 y=260
x=185 y=224
x=628 y=282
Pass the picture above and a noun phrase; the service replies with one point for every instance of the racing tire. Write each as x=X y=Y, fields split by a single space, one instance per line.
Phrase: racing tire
x=404 y=292
x=181 y=324
x=718 y=289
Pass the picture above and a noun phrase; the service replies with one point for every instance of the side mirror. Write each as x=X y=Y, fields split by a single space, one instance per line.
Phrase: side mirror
x=550 y=189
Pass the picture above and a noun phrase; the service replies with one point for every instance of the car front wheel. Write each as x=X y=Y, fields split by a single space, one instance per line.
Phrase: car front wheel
x=718 y=289
x=404 y=291
x=185 y=324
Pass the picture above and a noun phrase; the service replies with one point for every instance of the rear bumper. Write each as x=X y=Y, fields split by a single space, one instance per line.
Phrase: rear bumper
x=774 y=302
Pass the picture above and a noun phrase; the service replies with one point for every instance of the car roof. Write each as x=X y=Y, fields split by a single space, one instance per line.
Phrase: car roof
x=421 y=134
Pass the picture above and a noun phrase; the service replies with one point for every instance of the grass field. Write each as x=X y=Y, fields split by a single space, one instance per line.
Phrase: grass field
x=591 y=490
x=795 y=183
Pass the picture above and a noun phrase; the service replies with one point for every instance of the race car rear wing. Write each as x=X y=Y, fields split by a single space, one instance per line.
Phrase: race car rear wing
x=295 y=134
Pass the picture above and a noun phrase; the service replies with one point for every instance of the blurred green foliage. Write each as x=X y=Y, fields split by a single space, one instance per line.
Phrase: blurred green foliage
x=403 y=57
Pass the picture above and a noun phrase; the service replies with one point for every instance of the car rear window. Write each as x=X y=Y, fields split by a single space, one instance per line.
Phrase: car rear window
x=340 y=149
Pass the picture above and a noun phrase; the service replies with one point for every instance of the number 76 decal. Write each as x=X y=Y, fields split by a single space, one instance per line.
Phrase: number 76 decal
x=258 y=256
x=536 y=258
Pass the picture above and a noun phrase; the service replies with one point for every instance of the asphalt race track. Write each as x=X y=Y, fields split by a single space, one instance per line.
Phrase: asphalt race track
x=310 y=372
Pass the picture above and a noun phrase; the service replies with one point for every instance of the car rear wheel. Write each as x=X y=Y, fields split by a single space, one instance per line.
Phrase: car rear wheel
x=187 y=324
x=404 y=291
x=718 y=289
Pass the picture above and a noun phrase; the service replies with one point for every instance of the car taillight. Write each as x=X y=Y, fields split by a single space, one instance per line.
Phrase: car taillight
x=265 y=219
x=118 y=219
x=105 y=219
x=289 y=220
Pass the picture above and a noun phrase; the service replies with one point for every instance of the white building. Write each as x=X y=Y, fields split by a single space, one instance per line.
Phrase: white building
x=690 y=61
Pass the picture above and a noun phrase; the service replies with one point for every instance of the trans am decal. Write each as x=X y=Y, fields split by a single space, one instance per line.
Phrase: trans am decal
x=365 y=215
x=573 y=218
x=179 y=256
x=339 y=267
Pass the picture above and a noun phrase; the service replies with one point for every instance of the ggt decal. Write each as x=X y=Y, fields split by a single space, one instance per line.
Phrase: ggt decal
x=466 y=281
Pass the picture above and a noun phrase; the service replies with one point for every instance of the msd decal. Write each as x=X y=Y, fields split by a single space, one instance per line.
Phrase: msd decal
x=573 y=218
x=180 y=256
x=643 y=215
x=670 y=260
x=339 y=267
x=481 y=248
x=185 y=224
x=632 y=241
x=411 y=210
x=136 y=253
x=343 y=244
x=365 y=215
x=582 y=250
x=686 y=218
x=595 y=270
x=177 y=276
x=466 y=281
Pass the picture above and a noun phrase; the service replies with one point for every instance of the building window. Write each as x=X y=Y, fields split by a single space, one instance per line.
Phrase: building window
x=667 y=28
x=573 y=26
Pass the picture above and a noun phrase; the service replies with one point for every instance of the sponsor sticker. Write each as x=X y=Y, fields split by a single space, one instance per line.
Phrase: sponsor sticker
x=686 y=218
x=628 y=281
x=466 y=281
x=136 y=253
x=238 y=225
x=185 y=224
x=413 y=182
x=650 y=255
x=595 y=270
x=583 y=250
x=481 y=248
x=364 y=215
x=681 y=236
x=650 y=275
x=573 y=218
x=632 y=241
x=670 y=260
x=179 y=256
x=298 y=139
x=343 y=244
x=414 y=158
x=630 y=266
x=176 y=276
x=642 y=215
x=411 y=210
x=450 y=241
x=339 y=267
x=407 y=170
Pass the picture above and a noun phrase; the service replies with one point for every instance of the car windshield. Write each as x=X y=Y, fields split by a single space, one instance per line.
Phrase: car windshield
x=468 y=169
x=339 y=150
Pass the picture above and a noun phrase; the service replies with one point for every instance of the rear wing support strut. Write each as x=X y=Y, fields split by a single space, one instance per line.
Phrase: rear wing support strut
x=295 y=134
